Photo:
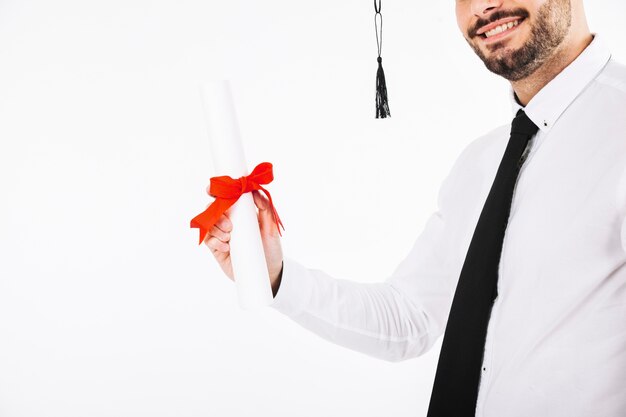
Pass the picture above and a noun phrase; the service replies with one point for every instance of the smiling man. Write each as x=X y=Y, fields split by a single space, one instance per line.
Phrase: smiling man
x=523 y=265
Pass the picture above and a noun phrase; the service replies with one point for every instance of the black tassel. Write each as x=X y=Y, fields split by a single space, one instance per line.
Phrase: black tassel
x=382 y=103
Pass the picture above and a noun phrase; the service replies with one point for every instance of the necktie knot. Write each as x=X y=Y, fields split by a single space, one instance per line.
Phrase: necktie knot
x=522 y=125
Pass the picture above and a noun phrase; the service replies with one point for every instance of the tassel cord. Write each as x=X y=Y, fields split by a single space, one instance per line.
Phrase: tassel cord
x=382 y=101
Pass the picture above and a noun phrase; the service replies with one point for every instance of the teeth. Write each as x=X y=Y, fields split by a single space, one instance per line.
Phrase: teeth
x=501 y=28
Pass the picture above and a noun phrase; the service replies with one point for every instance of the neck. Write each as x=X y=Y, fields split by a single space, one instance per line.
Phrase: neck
x=525 y=89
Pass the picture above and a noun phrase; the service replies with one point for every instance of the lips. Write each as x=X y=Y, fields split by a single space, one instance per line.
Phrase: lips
x=493 y=34
x=498 y=26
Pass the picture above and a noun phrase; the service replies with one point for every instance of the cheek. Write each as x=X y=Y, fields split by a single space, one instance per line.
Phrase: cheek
x=533 y=6
x=462 y=16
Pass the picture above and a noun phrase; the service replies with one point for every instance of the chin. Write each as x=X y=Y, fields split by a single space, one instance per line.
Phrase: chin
x=501 y=53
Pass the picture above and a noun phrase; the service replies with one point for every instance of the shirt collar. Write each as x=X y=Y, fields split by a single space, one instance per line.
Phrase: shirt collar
x=545 y=108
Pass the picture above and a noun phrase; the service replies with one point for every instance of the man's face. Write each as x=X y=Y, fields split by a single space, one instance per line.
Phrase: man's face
x=514 y=37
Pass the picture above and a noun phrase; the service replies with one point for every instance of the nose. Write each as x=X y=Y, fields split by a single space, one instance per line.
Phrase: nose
x=481 y=8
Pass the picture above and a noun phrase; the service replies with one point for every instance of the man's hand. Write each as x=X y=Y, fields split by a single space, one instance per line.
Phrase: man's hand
x=219 y=237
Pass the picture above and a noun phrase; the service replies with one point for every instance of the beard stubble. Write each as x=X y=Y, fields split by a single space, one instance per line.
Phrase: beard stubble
x=553 y=21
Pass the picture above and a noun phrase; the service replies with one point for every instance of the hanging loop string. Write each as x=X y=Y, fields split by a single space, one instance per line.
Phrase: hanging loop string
x=379 y=39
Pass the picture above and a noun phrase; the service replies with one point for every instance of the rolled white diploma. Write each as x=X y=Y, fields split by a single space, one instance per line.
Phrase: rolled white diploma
x=246 y=248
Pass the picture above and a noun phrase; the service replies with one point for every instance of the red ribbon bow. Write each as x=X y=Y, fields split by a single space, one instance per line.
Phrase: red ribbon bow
x=227 y=191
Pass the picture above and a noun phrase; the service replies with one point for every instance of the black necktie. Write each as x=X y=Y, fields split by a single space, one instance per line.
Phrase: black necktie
x=458 y=372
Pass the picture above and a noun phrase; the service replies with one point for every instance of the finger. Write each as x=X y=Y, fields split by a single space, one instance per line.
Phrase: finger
x=262 y=203
x=266 y=216
x=217 y=245
x=224 y=224
x=220 y=234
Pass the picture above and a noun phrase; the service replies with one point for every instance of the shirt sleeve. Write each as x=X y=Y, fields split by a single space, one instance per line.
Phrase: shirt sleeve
x=621 y=204
x=393 y=320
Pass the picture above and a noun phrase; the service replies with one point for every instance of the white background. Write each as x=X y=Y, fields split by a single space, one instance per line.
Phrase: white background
x=107 y=305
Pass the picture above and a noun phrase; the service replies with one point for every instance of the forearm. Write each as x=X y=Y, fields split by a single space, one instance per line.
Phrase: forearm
x=403 y=316
x=375 y=319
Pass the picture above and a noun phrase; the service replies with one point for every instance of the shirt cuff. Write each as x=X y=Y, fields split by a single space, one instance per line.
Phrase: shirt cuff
x=295 y=289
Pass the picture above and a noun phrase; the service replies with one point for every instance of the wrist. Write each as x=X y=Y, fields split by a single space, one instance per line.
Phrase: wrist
x=276 y=281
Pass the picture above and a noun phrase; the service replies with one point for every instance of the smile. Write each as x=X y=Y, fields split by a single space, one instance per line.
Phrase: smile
x=498 y=30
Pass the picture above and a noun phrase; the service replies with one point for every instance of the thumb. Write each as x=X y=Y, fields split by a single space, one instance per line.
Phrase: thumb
x=266 y=218
x=260 y=201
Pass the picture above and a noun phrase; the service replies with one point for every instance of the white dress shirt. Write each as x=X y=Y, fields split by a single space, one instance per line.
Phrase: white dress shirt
x=556 y=340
